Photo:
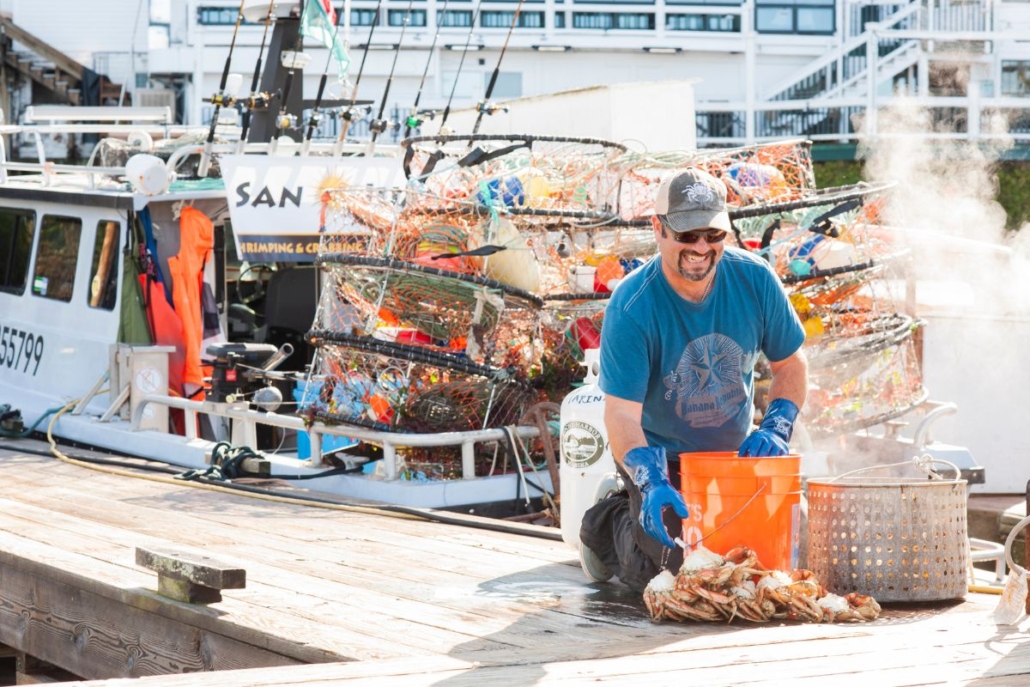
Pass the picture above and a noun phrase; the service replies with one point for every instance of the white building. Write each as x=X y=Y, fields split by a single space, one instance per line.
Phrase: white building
x=765 y=68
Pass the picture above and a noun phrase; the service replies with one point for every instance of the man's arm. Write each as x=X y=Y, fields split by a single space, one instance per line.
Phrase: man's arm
x=622 y=420
x=647 y=467
x=790 y=379
x=787 y=394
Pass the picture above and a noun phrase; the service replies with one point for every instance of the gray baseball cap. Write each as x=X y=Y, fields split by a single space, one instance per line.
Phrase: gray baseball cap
x=692 y=199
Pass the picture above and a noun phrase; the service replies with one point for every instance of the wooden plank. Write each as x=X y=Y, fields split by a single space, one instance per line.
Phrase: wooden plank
x=415 y=582
x=412 y=622
x=280 y=633
x=86 y=634
x=479 y=609
x=924 y=662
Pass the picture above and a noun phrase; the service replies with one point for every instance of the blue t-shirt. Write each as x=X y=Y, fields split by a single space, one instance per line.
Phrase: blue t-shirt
x=691 y=365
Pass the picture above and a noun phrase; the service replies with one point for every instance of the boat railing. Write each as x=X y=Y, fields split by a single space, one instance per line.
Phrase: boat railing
x=246 y=421
x=59 y=113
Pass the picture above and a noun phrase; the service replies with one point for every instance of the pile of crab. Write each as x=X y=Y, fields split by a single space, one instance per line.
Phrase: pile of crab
x=710 y=587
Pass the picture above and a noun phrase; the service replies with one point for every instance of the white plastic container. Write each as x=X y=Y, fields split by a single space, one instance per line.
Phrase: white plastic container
x=587 y=469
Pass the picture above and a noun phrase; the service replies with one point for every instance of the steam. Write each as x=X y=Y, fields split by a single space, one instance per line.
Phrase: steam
x=944 y=202
x=970 y=278
x=941 y=184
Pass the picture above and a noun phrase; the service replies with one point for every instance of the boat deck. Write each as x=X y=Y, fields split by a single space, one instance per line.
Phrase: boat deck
x=352 y=596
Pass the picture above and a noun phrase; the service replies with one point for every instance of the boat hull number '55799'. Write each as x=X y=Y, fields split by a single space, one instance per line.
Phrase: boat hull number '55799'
x=20 y=350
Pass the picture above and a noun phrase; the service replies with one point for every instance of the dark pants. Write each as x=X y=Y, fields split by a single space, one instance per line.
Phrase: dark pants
x=611 y=528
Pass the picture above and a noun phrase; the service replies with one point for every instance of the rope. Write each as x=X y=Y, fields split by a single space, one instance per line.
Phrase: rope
x=402 y=512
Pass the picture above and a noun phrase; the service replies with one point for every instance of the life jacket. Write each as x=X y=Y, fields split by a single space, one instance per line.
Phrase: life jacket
x=196 y=243
x=165 y=330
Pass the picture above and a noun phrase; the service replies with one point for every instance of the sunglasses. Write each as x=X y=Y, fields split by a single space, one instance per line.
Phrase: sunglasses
x=689 y=237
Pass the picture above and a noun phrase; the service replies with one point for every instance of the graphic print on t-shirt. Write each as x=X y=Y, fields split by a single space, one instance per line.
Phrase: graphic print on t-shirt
x=707 y=381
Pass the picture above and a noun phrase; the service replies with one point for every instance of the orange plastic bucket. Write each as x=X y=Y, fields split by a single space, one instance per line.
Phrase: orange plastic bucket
x=735 y=501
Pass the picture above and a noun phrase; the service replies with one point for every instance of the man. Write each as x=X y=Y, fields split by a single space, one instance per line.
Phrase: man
x=679 y=344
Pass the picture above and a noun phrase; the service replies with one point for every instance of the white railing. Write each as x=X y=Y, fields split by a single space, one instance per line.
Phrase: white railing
x=845 y=120
x=247 y=421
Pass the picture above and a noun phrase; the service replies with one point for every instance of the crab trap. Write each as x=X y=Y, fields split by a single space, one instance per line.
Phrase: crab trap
x=545 y=175
x=753 y=175
x=389 y=386
x=426 y=307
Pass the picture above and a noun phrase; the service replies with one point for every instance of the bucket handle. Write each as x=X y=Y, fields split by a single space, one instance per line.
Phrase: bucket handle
x=687 y=547
x=924 y=462
x=1020 y=526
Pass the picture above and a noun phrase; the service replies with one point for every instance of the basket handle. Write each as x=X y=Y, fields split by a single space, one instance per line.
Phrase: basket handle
x=1020 y=526
x=924 y=462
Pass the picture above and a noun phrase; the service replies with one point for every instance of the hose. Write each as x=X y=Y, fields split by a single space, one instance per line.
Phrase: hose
x=405 y=512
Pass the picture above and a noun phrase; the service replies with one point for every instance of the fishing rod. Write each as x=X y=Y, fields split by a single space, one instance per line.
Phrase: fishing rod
x=315 y=117
x=284 y=118
x=219 y=98
x=349 y=113
x=461 y=65
x=379 y=124
x=256 y=98
x=485 y=106
x=413 y=121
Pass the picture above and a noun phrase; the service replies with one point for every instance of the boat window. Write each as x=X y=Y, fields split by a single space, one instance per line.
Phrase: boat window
x=56 y=256
x=103 y=275
x=17 y=229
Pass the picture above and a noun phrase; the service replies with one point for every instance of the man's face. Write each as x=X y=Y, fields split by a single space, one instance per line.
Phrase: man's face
x=691 y=254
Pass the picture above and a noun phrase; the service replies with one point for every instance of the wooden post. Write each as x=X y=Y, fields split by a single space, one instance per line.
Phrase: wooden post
x=189 y=577
x=32 y=671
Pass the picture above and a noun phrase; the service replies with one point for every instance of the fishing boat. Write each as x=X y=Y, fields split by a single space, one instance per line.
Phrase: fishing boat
x=101 y=260
x=421 y=369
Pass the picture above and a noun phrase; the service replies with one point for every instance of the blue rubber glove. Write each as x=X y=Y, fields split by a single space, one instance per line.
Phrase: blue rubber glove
x=773 y=435
x=649 y=470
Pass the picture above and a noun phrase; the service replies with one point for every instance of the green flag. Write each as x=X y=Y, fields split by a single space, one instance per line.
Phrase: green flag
x=318 y=22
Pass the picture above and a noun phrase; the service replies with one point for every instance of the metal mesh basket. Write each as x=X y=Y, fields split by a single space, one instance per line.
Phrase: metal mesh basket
x=894 y=538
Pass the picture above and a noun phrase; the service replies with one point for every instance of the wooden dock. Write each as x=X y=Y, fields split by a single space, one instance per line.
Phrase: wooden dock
x=337 y=596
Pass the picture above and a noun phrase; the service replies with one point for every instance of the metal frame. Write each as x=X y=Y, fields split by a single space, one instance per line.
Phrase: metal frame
x=246 y=421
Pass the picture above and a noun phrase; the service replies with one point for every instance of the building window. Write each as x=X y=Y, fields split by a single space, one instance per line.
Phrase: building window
x=559 y=20
x=362 y=17
x=612 y=20
x=618 y=2
x=503 y=20
x=56 y=255
x=219 y=16
x=415 y=17
x=103 y=275
x=734 y=3
x=454 y=18
x=703 y=22
x=1015 y=79
x=812 y=17
x=17 y=230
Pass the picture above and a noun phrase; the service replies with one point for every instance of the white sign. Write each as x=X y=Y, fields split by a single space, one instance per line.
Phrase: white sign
x=275 y=202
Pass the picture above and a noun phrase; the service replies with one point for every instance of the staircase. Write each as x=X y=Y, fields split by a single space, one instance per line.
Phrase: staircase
x=829 y=94
x=844 y=71
x=51 y=69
